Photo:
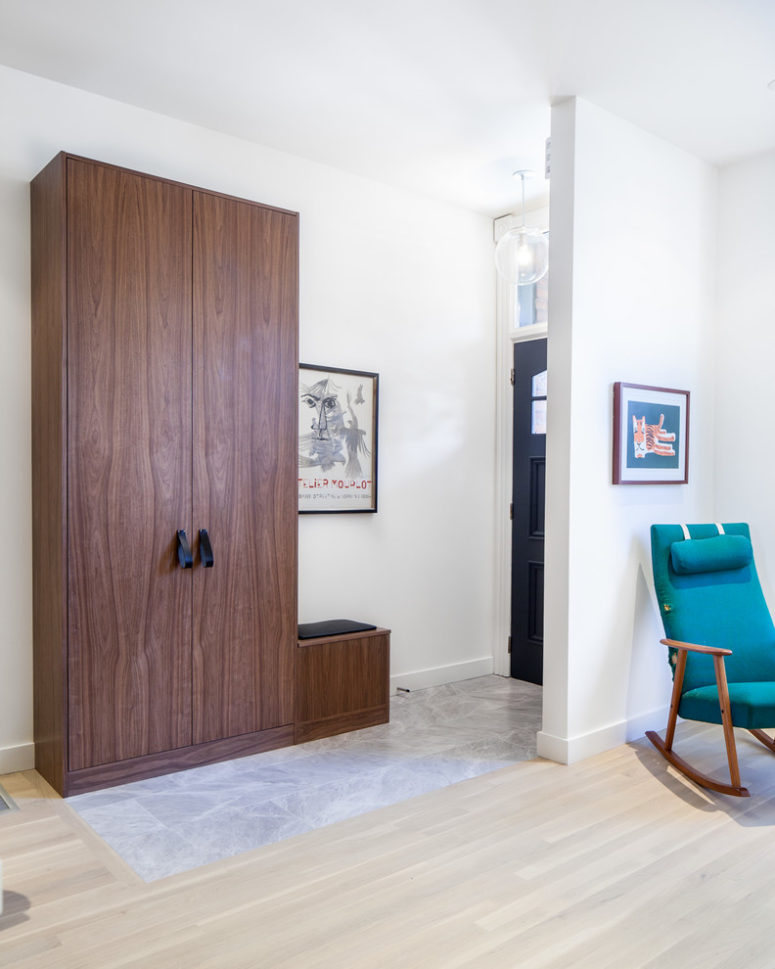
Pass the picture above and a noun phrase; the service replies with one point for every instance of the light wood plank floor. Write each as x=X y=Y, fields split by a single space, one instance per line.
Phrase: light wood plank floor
x=613 y=863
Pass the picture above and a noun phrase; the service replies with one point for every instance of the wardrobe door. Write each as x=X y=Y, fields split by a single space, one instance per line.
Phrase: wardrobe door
x=245 y=465
x=129 y=464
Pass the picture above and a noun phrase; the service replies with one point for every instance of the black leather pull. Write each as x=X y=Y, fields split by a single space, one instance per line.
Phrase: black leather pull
x=185 y=557
x=205 y=549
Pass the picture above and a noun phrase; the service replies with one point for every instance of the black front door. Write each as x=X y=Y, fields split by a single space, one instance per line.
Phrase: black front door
x=527 y=527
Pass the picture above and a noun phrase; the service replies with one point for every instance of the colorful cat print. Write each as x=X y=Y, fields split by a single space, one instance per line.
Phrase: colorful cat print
x=650 y=438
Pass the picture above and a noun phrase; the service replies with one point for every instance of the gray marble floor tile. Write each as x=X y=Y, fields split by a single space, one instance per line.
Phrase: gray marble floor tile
x=436 y=737
x=157 y=853
x=241 y=826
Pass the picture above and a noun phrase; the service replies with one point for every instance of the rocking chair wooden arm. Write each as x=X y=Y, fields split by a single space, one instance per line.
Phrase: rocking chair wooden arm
x=696 y=647
x=666 y=745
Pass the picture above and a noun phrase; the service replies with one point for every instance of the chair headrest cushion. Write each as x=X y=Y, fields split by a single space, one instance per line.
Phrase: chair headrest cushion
x=718 y=554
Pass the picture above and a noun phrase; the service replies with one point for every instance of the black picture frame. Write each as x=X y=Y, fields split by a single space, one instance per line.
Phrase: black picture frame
x=338 y=439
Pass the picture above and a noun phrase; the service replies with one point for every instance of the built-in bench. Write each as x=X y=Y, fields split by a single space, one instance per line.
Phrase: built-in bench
x=342 y=678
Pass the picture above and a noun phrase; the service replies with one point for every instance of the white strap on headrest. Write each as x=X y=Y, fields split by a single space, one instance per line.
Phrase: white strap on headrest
x=687 y=536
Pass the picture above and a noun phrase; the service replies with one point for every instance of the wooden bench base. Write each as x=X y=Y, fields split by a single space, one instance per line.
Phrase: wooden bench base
x=342 y=684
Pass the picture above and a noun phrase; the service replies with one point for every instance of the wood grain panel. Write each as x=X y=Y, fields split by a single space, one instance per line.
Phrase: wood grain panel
x=182 y=758
x=245 y=447
x=305 y=731
x=129 y=453
x=49 y=564
x=339 y=675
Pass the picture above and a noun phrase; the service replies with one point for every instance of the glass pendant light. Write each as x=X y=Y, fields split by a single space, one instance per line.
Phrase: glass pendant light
x=522 y=254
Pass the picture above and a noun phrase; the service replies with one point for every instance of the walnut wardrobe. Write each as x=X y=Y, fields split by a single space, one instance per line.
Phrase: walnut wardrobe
x=164 y=386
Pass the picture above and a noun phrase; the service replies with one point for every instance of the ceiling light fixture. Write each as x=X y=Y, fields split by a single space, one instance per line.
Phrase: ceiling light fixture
x=522 y=254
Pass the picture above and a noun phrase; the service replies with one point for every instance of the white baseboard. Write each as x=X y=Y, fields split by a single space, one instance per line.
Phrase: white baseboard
x=439 y=675
x=20 y=757
x=569 y=750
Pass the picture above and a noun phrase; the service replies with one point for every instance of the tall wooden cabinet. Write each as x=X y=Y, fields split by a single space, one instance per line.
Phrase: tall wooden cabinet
x=164 y=349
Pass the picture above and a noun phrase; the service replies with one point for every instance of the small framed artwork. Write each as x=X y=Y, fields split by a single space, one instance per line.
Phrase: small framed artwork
x=337 y=440
x=651 y=435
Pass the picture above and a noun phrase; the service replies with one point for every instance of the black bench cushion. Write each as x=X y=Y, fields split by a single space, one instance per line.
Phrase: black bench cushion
x=332 y=627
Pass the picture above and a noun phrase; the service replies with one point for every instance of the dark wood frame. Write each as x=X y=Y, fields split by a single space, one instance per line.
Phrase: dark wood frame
x=619 y=440
x=665 y=747
x=374 y=379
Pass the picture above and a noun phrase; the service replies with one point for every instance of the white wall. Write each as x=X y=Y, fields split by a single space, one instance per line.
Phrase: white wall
x=390 y=282
x=745 y=458
x=631 y=295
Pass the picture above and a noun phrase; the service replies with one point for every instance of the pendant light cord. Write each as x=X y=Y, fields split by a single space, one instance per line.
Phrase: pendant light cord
x=522 y=176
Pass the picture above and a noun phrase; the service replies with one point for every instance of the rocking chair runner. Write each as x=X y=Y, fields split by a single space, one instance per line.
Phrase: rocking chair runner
x=720 y=636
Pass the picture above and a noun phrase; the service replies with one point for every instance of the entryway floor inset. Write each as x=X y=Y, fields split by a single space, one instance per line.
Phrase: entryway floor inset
x=436 y=737
x=7 y=803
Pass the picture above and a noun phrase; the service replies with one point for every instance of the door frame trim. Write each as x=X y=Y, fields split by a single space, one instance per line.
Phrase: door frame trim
x=506 y=336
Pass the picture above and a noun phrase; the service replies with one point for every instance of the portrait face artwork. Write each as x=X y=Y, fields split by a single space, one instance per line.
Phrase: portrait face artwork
x=337 y=440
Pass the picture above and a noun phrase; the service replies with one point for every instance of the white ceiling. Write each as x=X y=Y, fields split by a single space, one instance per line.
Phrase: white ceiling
x=444 y=97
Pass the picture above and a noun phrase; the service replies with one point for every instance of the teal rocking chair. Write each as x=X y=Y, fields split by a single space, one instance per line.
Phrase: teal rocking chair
x=720 y=637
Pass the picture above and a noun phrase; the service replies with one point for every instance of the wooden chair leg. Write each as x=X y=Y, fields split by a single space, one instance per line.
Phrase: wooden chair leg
x=675 y=699
x=665 y=747
x=726 y=720
x=768 y=742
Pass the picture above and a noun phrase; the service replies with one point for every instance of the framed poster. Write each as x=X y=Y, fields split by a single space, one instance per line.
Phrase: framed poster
x=337 y=440
x=651 y=435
